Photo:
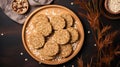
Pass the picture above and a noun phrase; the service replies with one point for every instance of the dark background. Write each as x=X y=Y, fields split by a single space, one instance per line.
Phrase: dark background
x=11 y=45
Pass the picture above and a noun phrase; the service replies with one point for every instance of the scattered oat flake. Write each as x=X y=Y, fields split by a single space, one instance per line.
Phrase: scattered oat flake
x=2 y=34
x=21 y=53
x=88 y=32
x=94 y=44
x=39 y=62
x=64 y=66
x=71 y=3
x=26 y=59
x=73 y=66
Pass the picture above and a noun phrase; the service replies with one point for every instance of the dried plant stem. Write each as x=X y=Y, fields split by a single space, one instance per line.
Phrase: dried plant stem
x=103 y=38
x=80 y=62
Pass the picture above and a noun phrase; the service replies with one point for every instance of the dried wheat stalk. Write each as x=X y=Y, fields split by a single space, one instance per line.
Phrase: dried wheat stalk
x=102 y=35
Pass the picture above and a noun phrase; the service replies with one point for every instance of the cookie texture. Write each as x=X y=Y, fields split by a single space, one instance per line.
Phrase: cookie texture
x=44 y=28
x=57 y=22
x=65 y=50
x=37 y=40
x=74 y=34
x=39 y=18
x=61 y=36
x=69 y=20
x=42 y=55
x=51 y=49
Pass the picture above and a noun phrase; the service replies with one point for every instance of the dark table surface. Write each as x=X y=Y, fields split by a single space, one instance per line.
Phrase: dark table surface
x=13 y=53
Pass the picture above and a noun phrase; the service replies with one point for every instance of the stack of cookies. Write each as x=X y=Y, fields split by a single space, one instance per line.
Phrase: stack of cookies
x=53 y=36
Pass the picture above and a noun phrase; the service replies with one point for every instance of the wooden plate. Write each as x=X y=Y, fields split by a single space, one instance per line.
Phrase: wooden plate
x=54 y=10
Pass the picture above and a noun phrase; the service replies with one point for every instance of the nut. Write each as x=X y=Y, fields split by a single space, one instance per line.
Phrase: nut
x=20 y=6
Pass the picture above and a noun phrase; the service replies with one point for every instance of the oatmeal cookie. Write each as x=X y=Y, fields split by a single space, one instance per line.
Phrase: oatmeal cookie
x=51 y=49
x=61 y=36
x=65 y=50
x=42 y=55
x=44 y=28
x=39 y=18
x=74 y=34
x=37 y=40
x=57 y=22
x=68 y=18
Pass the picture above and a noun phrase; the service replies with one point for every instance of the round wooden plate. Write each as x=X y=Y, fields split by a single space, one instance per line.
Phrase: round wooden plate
x=54 y=10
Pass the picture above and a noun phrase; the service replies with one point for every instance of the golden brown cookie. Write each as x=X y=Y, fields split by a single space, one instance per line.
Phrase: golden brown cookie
x=74 y=34
x=44 y=28
x=42 y=55
x=39 y=18
x=37 y=40
x=61 y=36
x=51 y=39
x=68 y=18
x=57 y=22
x=51 y=49
x=65 y=50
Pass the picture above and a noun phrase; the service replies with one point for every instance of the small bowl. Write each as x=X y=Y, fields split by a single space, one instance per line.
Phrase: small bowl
x=53 y=10
x=104 y=11
x=107 y=8
x=22 y=8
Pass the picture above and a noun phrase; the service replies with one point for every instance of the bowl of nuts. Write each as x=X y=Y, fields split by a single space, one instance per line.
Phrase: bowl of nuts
x=20 y=6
